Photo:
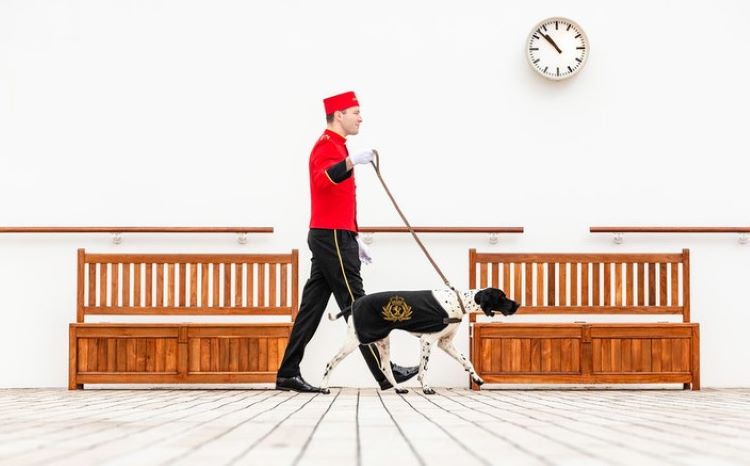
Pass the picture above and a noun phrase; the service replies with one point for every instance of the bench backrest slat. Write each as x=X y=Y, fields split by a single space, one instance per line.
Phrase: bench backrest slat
x=553 y=283
x=187 y=284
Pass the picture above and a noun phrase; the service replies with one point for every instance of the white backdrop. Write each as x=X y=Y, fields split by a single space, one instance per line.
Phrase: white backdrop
x=204 y=113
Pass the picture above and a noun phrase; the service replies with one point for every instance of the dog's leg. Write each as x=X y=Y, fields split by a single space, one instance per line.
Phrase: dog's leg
x=350 y=345
x=446 y=344
x=384 y=348
x=426 y=344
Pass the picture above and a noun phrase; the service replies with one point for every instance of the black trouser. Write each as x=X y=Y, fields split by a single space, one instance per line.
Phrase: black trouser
x=335 y=269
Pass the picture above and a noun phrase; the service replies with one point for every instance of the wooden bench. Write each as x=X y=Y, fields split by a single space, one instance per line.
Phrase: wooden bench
x=196 y=286
x=580 y=352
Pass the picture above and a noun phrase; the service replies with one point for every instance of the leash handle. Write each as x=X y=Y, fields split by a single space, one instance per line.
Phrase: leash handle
x=376 y=165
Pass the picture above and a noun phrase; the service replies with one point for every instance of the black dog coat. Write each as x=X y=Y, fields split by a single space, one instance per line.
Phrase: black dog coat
x=375 y=315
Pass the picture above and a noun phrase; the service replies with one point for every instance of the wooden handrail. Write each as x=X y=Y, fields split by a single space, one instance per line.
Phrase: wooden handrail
x=442 y=229
x=619 y=231
x=669 y=229
x=136 y=229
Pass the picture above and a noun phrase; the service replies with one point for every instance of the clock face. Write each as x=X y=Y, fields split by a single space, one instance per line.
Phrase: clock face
x=557 y=48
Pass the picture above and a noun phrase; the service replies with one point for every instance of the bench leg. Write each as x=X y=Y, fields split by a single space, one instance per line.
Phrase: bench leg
x=73 y=360
x=695 y=364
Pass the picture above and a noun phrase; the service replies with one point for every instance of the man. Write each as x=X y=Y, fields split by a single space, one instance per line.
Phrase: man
x=337 y=252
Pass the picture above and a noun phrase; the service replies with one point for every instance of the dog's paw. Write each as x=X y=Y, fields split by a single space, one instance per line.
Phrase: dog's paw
x=428 y=391
x=401 y=391
x=325 y=391
x=478 y=380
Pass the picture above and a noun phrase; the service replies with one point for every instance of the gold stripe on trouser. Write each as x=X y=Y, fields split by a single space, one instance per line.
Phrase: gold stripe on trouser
x=343 y=272
x=341 y=262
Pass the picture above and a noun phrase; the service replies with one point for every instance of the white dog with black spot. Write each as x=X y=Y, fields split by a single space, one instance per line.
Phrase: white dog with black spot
x=431 y=315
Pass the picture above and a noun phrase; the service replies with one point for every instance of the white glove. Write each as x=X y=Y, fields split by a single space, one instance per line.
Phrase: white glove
x=362 y=157
x=364 y=252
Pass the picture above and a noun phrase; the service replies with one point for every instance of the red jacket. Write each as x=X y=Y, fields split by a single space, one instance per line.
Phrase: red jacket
x=333 y=203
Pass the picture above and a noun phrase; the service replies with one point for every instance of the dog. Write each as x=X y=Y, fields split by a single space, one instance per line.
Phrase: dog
x=431 y=315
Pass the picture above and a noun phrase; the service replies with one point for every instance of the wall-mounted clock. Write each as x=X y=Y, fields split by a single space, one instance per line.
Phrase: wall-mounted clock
x=557 y=48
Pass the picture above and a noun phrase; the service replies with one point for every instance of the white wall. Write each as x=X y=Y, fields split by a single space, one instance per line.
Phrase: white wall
x=204 y=113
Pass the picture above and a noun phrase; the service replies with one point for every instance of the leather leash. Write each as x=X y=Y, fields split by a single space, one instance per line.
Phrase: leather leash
x=376 y=164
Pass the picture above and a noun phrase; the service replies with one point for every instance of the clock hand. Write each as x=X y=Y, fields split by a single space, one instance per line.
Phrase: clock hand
x=549 y=39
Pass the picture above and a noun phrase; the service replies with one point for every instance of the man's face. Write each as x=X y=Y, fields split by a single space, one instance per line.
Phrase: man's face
x=350 y=120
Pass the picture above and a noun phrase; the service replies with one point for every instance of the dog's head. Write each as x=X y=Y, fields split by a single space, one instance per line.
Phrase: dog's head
x=493 y=299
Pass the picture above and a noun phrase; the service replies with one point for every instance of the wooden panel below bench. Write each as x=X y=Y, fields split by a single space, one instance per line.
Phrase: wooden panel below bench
x=587 y=353
x=176 y=353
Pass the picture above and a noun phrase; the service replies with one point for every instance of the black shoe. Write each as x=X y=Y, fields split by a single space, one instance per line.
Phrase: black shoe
x=296 y=384
x=400 y=373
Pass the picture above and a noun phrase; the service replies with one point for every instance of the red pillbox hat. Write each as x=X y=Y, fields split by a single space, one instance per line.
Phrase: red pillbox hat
x=340 y=102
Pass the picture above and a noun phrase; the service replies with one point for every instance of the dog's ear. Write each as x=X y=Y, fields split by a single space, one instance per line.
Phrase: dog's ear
x=487 y=300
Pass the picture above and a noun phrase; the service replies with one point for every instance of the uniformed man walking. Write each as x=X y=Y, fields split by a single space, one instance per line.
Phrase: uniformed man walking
x=337 y=251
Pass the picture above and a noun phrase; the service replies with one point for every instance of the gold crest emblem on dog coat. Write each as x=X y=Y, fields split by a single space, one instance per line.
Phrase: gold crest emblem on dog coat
x=376 y=315
x=397 y=310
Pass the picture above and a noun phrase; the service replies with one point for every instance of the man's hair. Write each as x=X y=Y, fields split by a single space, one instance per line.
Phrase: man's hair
x=329 y=117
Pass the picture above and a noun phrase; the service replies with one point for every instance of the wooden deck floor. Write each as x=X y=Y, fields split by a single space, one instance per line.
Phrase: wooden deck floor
x=369 y=427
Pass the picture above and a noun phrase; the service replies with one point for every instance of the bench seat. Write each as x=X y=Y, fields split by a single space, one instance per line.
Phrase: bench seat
x=580 y=352
x=193 y=350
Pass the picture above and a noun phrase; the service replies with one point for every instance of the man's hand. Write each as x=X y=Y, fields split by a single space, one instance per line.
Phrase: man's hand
x=364 y=253
x=362 y=157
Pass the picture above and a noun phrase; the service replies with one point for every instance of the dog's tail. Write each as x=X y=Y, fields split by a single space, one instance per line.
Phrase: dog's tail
x=344 y=312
